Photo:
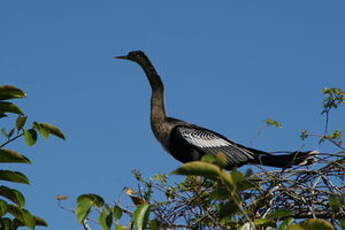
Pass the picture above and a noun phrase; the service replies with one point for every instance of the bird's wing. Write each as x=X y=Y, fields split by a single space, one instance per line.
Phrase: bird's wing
x=213 y=143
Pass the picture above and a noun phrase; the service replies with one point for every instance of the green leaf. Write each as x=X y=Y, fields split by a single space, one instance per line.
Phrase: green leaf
x=141 y=216
x=28 y=219
x=228 y=209
x=23 y=215
x=277 y=214
x=208 y=158
x=44 y=132
x=259 y=222
x=9 y=156
x=117 y=212
x=271 y=122
x=7 y=223
x=228 y=180
x=198 y=168
x=154 y=224
x=38 y=222
x=220 y=193
x=20 y=122
x=121 y=227
x=8 y=107
x=3 y=207
x=336 y=200
x=30 y=136
x=161 y=178
x=13 y=195
x=94 y=199
x=10 y=133
x=13 y=176
x=51 y=129
x=83 y=210
x=106 y=219
x=297 y=227
x=10 y=92
x=241 y=181
x=313 y=224
x=237 y=177
x=3 y=132
x=85 y=202
x=284 y=225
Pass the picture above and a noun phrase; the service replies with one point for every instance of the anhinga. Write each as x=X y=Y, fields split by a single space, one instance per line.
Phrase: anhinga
x=188 y=142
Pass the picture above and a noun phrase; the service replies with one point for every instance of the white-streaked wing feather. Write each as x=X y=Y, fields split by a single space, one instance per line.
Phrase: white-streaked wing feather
x=213 y=143
x=203 y=139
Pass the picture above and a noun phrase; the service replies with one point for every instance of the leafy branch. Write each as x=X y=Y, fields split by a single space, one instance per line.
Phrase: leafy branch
x=12 y=201
x=333 y=98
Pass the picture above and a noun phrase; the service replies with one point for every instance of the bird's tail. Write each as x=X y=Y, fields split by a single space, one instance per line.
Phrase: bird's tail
x=286 y=160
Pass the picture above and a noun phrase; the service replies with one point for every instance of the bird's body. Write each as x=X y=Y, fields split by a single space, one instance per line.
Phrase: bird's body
x=188 y=142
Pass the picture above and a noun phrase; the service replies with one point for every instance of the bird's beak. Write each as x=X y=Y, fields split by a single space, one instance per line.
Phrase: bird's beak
x=121 y=57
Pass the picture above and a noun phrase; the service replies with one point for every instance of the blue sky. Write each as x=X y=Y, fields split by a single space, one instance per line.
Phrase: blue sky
x=227 y=66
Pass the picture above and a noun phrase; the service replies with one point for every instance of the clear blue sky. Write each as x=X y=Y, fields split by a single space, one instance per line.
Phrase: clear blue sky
x=226 y=65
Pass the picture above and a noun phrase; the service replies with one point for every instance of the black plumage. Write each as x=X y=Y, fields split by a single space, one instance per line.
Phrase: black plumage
x=204 y=141
x=188 y=142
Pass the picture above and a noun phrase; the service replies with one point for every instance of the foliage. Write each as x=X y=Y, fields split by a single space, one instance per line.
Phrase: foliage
x=334 y=97
x=209 y=197
x=12 y=202
x=271 y=122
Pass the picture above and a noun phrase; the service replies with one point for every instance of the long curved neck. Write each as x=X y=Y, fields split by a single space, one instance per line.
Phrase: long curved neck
x=158 y=113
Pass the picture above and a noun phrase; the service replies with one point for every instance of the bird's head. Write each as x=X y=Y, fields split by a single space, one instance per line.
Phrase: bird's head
x=140 y=58
x=136 y=56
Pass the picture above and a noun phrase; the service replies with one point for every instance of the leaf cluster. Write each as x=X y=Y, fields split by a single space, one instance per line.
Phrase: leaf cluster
x=211 y=198
x=12 y=202
x=333 y=98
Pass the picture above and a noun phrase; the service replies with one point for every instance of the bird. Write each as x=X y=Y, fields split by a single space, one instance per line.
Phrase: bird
x=188 y=142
